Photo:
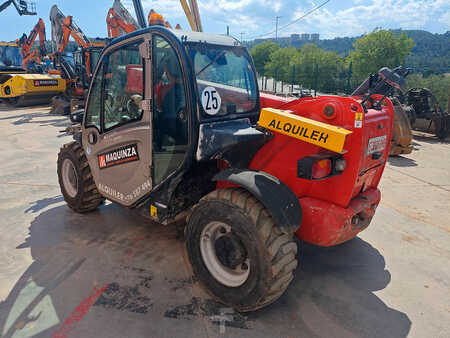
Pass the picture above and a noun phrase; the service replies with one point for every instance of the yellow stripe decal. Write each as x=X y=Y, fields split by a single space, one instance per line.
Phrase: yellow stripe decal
x=318 y=133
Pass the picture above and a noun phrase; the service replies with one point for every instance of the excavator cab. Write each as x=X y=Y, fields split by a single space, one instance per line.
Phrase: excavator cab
x=80 y=61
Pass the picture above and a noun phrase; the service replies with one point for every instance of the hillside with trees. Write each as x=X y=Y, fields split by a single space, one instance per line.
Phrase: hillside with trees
x=328 y=71
x=430 y=54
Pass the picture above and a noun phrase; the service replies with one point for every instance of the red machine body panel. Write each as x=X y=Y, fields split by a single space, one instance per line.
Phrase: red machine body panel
x=330 y=205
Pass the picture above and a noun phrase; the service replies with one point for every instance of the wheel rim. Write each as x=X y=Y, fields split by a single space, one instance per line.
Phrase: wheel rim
x=70 y=178
x=218 y=243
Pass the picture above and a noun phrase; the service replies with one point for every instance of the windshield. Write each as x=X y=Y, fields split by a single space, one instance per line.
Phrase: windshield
x=225 y=79
x=10 y=56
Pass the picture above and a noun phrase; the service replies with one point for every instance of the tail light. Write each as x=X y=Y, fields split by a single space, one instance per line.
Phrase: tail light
x=321 y=169
x=320 y=166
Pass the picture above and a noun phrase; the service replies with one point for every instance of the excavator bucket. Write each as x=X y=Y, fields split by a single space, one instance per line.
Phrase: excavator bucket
x=401 y=131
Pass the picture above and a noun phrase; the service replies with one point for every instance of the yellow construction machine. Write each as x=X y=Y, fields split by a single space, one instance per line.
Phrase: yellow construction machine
x=19 y=88
x=28 y=89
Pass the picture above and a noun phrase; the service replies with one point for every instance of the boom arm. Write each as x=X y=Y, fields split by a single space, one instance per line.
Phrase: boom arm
x=23 y=7
x=26 y=44
x=139 y=13
x=63 y=28
x=120 y=21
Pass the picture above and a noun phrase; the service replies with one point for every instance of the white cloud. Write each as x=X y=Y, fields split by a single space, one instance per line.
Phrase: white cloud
x=256 y=17
x=361 y=18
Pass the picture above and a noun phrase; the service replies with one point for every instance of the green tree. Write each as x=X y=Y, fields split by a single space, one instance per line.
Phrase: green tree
x=381 y=48
x=330 y=65
x=261 y=54
x=280 y=63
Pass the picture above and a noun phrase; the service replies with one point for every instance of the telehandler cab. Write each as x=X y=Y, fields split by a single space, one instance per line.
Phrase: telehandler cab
x=174 y=126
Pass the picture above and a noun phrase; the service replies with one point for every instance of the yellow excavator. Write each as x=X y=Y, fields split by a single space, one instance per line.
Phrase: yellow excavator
x=19 y=88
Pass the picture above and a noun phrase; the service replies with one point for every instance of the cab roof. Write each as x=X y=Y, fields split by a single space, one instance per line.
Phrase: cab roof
x=185 y=36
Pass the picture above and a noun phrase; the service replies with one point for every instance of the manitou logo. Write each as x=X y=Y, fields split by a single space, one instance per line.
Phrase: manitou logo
x=118 y=156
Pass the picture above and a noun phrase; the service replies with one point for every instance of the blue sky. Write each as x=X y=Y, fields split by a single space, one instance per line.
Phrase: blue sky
x=253 y=17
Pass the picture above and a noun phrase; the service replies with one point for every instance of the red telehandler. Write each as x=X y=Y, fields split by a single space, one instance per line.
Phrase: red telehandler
x=175 y=128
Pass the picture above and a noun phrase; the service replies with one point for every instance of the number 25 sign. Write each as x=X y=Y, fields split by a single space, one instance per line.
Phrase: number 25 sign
x=211 y=100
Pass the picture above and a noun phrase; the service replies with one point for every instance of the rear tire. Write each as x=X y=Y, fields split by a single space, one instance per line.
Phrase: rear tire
x=247 y=261
x=75 y=179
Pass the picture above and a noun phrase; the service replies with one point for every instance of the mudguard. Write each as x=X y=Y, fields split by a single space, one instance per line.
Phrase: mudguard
x=277 y=197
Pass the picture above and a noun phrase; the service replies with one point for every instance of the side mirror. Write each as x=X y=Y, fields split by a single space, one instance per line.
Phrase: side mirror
x=77 y=116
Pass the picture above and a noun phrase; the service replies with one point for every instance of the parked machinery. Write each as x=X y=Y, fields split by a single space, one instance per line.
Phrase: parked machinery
x=23 y=7
x=79 y=73
x=62 y=29
x=19 y=88
x=386 y=82
x=32 y=58
x=119 y=21
x=425 y=112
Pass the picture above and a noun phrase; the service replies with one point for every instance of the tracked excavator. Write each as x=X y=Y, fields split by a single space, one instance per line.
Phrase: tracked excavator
x=32 y=58
x=26 y=85
x=119 y=21
x=85 y=58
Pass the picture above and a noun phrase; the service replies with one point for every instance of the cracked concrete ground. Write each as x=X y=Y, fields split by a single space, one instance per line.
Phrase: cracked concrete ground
x=113 y=274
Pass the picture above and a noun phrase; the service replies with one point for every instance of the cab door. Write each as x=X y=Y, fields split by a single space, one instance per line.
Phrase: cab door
x=117 y=124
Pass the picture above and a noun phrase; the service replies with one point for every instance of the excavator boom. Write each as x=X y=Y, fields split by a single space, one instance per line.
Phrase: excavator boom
x=63 y=27
x=26 y=44
x=120 y=21
x=22 y=7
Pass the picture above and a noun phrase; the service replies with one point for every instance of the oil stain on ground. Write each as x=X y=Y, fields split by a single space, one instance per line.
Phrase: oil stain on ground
x=124 y=298
x=217 y=313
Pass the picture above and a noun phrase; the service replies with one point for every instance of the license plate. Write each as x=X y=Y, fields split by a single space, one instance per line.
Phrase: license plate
x=376 y=144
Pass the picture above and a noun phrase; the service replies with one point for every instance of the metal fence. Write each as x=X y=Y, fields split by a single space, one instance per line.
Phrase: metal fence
x=343 y=83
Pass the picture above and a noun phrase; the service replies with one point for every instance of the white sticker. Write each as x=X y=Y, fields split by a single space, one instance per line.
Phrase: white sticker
x=376 y=144
x=211 y=100
x=358 y=124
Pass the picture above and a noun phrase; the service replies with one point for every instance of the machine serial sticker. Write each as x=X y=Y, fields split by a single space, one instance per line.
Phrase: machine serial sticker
x=376 y=144
x=318 y=133
x=211 y=100
x=118 y=156
x=45 y=83
x=358 y=120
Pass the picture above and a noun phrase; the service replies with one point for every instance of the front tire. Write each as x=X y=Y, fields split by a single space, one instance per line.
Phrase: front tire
x=237 y=252
x=75 y=179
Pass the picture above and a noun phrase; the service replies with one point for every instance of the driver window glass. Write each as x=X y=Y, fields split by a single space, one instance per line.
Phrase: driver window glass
x=170 y=133
x=123 y=87
x=94 y=104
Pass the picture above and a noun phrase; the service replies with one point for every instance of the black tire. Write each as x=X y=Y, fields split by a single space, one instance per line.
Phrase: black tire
x=272 y=254
x=84 y=196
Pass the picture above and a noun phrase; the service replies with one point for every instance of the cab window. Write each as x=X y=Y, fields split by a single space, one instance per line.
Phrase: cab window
x=123 y=87
x=170 y=126
x=94 y=105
